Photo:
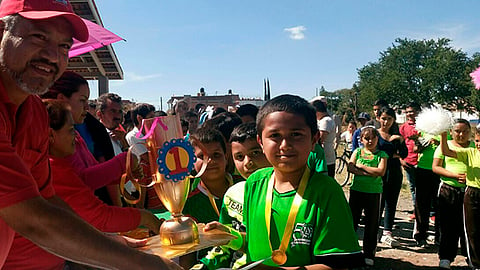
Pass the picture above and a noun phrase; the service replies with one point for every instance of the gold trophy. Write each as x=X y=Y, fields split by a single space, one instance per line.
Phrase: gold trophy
x=171 y=159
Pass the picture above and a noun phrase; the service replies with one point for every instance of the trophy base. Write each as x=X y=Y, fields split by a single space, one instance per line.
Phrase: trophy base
x=178 y=231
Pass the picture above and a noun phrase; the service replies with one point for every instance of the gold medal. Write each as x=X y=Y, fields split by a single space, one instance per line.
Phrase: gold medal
x=279 y=257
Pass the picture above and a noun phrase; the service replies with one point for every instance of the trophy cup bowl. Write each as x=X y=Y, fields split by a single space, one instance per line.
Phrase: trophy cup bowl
x=179 y=229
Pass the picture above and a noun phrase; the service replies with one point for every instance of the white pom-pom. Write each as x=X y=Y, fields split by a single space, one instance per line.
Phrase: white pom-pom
x=434 y=121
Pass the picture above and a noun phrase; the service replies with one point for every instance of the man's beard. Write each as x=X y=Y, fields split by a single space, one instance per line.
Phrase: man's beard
x=17 y=77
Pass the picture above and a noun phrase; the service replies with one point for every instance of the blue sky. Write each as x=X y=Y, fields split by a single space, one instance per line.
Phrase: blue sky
x=176 y=47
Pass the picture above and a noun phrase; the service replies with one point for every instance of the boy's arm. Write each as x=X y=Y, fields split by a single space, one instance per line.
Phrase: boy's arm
x=444 y=146
x=437 y=167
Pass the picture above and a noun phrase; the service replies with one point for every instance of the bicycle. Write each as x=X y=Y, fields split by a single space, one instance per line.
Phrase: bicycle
x=342 y=175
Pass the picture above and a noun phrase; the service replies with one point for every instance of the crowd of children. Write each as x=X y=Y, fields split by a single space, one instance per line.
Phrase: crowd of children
x=266 y=182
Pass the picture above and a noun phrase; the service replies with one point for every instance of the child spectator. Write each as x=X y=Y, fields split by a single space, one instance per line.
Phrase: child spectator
x=192 y=118
x=225 y=123
x=248 y=113
x=320 y=231
x=471 y=206
x=205 y=200
x=363 y=117
x=368 y=164
x=347 y=135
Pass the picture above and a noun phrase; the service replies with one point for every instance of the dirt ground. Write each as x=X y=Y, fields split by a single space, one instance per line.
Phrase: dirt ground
x=408 y=255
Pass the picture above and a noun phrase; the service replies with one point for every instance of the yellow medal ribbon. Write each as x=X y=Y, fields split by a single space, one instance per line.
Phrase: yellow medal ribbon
x=210 y=196
x=278 y=256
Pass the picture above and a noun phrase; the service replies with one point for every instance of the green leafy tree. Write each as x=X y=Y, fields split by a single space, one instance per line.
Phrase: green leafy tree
x=425 y=71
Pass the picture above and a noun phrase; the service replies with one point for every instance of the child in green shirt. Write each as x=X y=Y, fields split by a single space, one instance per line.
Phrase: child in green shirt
x=471 y=204
x=294 y=216
x=248 y=157
x=451 y=194
x=368 y=164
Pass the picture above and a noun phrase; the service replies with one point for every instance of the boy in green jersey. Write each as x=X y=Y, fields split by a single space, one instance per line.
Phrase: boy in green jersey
x=205 y=199
x=307 y=213
x=248 y=157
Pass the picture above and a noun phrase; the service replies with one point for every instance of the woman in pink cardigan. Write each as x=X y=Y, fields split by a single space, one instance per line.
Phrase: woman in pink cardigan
x=73 y=89
x=79 y=197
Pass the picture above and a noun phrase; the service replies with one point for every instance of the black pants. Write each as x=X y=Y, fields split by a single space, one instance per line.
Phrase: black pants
x=472 y=224
x=392 y=184
x=331 y=170
x=450 y=220
x=370 y=203
x=426 y=187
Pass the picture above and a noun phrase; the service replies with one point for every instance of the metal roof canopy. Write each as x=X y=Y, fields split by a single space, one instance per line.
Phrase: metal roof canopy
x=101 y=64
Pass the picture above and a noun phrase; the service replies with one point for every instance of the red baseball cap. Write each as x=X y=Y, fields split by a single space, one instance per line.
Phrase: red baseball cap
x=46 y=9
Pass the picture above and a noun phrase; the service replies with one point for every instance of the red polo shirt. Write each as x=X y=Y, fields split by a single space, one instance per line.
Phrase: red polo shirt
x=24 y=165
x=70 y=188
x=407 y=130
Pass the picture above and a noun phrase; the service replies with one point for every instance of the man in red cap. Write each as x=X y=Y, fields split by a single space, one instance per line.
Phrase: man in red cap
x=35 y=37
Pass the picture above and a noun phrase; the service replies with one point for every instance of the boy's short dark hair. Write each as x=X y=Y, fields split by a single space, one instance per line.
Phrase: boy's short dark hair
x=224 y=122
x=319 y=106
x=414 y=105
x=244 y=132
x=190 y=114
x=208 y=135
x=142 y=109
x=184 y=123
x=291 y=104
x=380 y=103
x=248 y=109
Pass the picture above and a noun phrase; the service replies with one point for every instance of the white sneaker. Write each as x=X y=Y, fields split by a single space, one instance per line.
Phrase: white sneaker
x=444 y=264
x=389 y=241
x=369 y=262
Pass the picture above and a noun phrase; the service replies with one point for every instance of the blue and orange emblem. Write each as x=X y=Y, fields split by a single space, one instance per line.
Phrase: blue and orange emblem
x=176 y=159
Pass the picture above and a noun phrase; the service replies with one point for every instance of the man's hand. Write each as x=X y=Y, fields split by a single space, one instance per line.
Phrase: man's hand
x=117 y=135
x=131 y=242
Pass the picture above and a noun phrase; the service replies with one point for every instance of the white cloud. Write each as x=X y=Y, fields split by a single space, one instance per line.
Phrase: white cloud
x=461 y=36
x=296 y=32
x=140 y=78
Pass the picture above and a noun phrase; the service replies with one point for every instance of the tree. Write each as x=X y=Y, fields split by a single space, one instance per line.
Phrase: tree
x=424 y=71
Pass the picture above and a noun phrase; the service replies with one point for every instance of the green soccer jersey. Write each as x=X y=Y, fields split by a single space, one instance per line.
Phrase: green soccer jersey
x=323 y=230
x=471 y=157
x=363 y=183
x=316 y=159
x=198 y=206
x=425 y=158
x=452 y=164
x=230 y=215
